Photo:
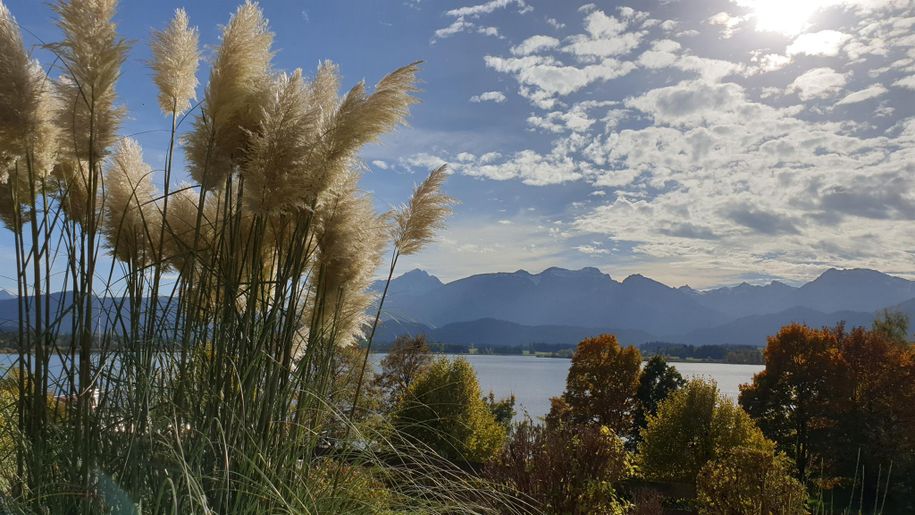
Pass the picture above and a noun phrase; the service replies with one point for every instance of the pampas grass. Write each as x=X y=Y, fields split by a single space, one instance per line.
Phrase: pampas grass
x=415 y=223
x=131 y=218
x=174 y=64
x=200 y=371
x=238 y=88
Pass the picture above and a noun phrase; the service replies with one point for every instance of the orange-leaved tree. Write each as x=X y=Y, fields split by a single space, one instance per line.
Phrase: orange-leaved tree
x=601 y=385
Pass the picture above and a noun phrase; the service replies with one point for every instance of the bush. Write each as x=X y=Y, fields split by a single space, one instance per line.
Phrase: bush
x=565 y=469
x=750 y=480
x=445 y=410
x=692 y=427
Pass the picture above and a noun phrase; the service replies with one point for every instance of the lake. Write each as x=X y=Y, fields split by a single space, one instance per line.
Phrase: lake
x=534 y=380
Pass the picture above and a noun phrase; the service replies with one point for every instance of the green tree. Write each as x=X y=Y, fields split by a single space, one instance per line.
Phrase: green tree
x=503 y=410
x=444 y=409
x=656 y=382
x=601 y=385
x=693 y=426
x=894 y=324
x=408 y=358
x=751 y=481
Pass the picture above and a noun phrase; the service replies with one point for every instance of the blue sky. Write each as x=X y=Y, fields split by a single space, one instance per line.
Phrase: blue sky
x=693 y=141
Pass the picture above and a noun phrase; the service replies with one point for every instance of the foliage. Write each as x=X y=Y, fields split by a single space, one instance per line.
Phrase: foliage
x=503 y=410
x=601 y=385
x=407 y=358
x=444 y=409
x=830 y=395
x=750 y=480
x=893 y=324
x=693 y=426
x=656 y=382
x=565 y=469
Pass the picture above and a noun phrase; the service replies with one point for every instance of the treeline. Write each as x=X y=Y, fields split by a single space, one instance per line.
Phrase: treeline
x=727 y=353
x=459 y=348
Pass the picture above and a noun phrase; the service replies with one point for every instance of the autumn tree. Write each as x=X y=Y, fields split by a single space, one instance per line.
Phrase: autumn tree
x=656 y=382
x=750 y=480
x=601 y=385
x=840 y=400
x=693 y=426
x=407 y=359
x=444 y=410
x=794 y=399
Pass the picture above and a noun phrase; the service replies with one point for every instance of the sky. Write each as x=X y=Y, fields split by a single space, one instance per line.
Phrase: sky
x=700 y=142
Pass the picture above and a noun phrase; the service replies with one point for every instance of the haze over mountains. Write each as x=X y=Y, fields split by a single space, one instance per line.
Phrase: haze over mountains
x=562 y=306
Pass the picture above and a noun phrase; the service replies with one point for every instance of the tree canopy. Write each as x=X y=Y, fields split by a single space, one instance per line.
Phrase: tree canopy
x=693 y=426
x=601 y=385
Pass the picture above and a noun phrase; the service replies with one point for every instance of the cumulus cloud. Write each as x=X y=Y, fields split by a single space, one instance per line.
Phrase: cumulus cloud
x=488 y=7
x=824 y=42
x=818 y=83
x=534 y=44
x=464 y=17
x=727 y=23
x=489 y=96
x=867 y=93
x=906 y=82
x=717 y=166
x=545 y=77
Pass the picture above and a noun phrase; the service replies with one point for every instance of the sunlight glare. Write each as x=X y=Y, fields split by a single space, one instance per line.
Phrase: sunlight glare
x=789 y=17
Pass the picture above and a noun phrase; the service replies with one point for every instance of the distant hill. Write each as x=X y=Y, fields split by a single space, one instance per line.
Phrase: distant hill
x=755 y=329
x=500 y=306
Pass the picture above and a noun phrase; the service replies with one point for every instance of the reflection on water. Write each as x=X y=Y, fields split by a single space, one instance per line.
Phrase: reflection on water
x=534 y=380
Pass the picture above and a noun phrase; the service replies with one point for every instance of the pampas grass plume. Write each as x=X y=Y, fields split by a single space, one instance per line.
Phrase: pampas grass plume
x=93 y=54
x=131 y=217
x=415 y=223
x=235 y=94
x=174 y=64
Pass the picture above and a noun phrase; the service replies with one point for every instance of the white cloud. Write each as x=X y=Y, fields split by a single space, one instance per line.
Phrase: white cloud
x=546 y=77
x=606 y=36
x=818 y=83
x=553 y=22
x=907 y=82
x=378 y=163
x=865 y=94
x=464 y=15
x=824 y=42
x=592 y=250
x=727 y=23
x=488 y=7
x=534 y=44
x=768 y=62
x=663 y=54
x=489 y=96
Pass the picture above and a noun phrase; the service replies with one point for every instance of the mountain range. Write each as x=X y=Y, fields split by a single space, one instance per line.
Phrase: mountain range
x=563 y=306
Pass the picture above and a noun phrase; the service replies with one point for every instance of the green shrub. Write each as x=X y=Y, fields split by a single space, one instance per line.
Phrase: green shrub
x=444 y=409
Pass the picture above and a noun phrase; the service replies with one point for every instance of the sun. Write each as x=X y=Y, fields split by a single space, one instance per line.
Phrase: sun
x=789 y=17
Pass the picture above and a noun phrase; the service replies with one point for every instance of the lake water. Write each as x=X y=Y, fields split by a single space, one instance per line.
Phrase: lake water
x=534 y=380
